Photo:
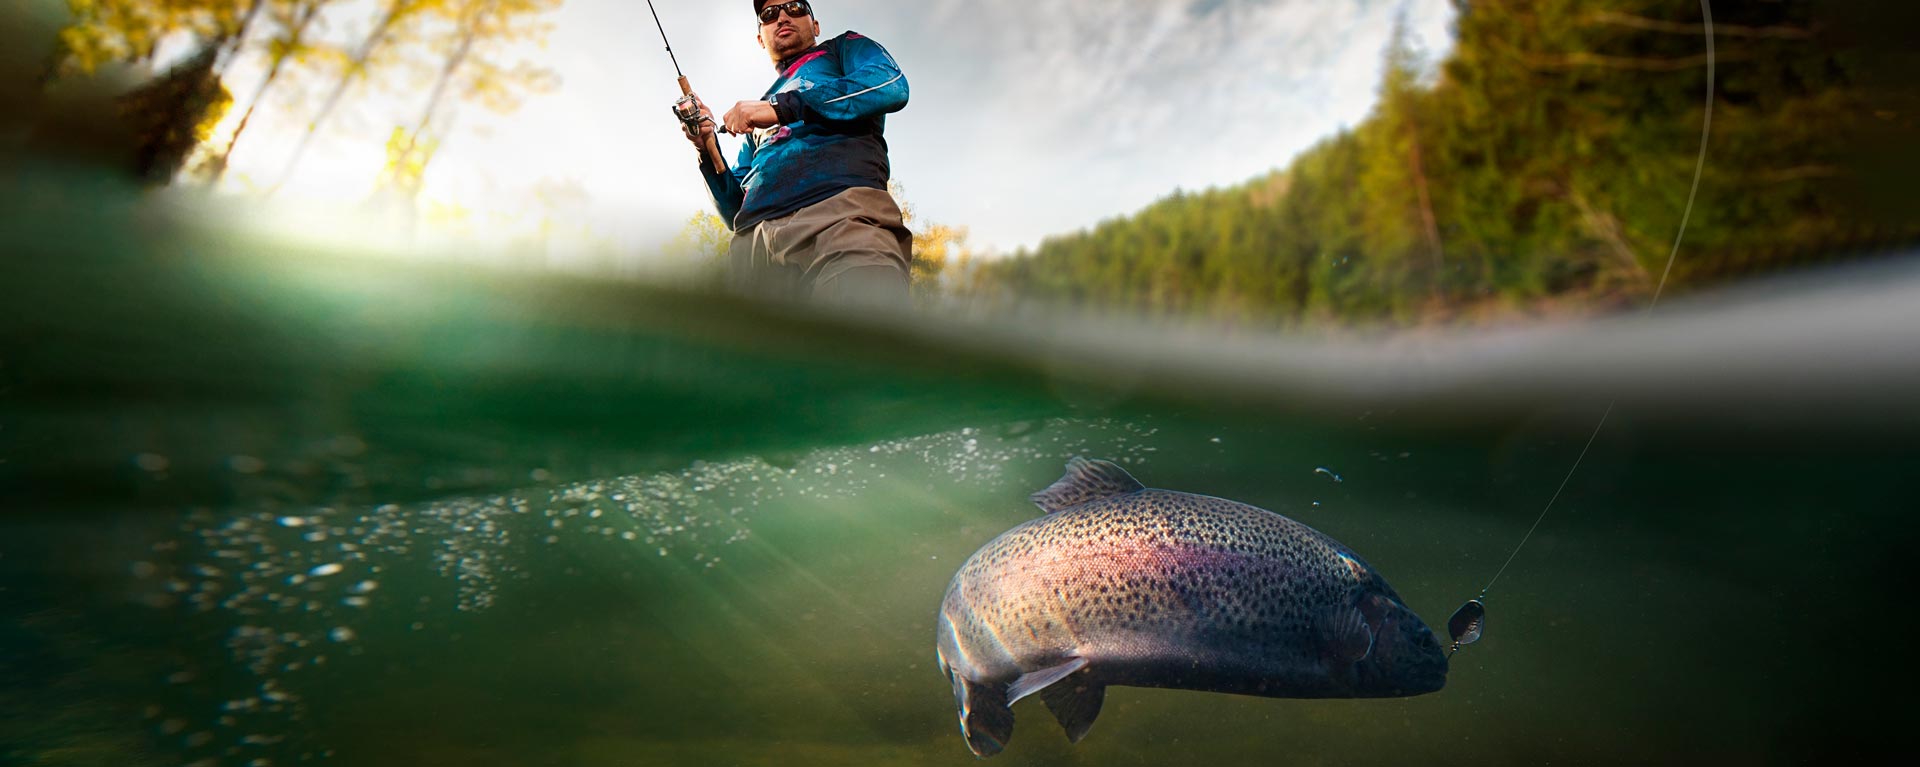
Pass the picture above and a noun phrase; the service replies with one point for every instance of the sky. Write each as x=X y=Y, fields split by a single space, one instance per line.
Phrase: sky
x=1028 y=118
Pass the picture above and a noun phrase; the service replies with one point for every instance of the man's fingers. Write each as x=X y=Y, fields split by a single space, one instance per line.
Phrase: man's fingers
x=740 y=118
x=701 y=128
x=747 y=116
x=698 y=132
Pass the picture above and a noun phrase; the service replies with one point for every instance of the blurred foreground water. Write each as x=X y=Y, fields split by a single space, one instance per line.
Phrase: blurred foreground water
x=267 y=505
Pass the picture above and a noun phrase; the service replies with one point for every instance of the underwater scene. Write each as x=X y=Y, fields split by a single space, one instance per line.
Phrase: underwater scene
x=260 y=512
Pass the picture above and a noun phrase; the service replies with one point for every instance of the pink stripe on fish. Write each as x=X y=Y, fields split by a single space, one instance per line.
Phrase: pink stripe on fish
x=1122 y=557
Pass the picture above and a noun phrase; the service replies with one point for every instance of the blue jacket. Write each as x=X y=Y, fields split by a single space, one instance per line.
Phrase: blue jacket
x=832 y=102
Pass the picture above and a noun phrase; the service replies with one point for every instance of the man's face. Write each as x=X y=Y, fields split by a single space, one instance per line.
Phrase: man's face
x=787 y=34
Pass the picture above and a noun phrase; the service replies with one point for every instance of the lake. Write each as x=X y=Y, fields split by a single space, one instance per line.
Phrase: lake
x=273 y=505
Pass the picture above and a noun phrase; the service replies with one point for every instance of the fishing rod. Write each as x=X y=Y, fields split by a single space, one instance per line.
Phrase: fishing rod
x=1470 y=621
x=687 y=109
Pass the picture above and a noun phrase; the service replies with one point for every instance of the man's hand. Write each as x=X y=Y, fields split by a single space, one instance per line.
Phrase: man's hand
x=749 y=115
x=704 y=134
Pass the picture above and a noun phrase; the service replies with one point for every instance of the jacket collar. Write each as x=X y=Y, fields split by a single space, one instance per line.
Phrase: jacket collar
x=792 y=63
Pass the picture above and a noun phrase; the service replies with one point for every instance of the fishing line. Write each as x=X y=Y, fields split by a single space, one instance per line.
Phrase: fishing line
x=1469 y=622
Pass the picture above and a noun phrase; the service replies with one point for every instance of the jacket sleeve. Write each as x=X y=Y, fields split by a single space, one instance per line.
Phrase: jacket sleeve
x=728 y=193
x=873 y=86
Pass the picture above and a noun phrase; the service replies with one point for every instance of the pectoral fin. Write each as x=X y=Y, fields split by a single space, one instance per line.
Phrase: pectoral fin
x=1076 y=703
x=1349 y=638
x=1035 y=681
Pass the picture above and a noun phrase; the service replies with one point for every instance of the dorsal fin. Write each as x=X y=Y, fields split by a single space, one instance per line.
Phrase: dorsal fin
x=1085 y=481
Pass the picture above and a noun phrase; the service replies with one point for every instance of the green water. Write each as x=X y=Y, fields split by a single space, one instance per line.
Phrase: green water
x=276 y=505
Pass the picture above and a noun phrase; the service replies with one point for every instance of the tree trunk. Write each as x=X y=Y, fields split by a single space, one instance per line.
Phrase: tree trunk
x=1430 y=225
x=294 y=36
x=452 y=67
x=355 y=67
x=1607 y=228
x=469 y=32
x=238 y=39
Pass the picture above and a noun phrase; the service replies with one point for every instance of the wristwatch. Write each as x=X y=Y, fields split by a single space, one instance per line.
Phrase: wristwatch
x=783 y=108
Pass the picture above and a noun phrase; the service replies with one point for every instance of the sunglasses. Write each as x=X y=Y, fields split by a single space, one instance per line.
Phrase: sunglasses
x=797 y=9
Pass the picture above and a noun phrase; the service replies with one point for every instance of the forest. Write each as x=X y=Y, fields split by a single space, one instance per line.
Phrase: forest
x=1543 y=165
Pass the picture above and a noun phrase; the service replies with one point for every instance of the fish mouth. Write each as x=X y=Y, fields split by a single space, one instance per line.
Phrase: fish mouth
x=1406 y=658
x=1423 y=668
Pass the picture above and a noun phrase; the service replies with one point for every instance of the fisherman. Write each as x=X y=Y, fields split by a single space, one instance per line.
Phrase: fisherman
x=808 y=201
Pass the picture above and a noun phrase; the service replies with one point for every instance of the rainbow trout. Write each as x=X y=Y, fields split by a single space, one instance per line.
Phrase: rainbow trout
x=1119 y=584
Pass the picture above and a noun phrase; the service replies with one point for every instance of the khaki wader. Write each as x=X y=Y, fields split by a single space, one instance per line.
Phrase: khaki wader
x=852 y=247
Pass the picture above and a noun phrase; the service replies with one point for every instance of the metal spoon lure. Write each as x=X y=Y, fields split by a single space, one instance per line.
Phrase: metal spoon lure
x=1467 y=624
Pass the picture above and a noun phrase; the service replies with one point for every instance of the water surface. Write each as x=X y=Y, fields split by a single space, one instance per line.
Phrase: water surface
x=296 y=508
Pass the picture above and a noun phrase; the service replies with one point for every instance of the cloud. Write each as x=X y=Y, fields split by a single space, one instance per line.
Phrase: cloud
x=1029 y=117
x=1070 y=111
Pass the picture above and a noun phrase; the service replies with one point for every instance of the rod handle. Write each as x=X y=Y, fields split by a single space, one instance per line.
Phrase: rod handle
x=714 y=156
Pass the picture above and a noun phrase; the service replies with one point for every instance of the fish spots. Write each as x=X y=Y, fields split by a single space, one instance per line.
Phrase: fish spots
x=1165 y=589
x=1171 y=564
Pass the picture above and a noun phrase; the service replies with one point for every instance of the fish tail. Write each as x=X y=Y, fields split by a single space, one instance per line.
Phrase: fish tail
x=986 y=719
